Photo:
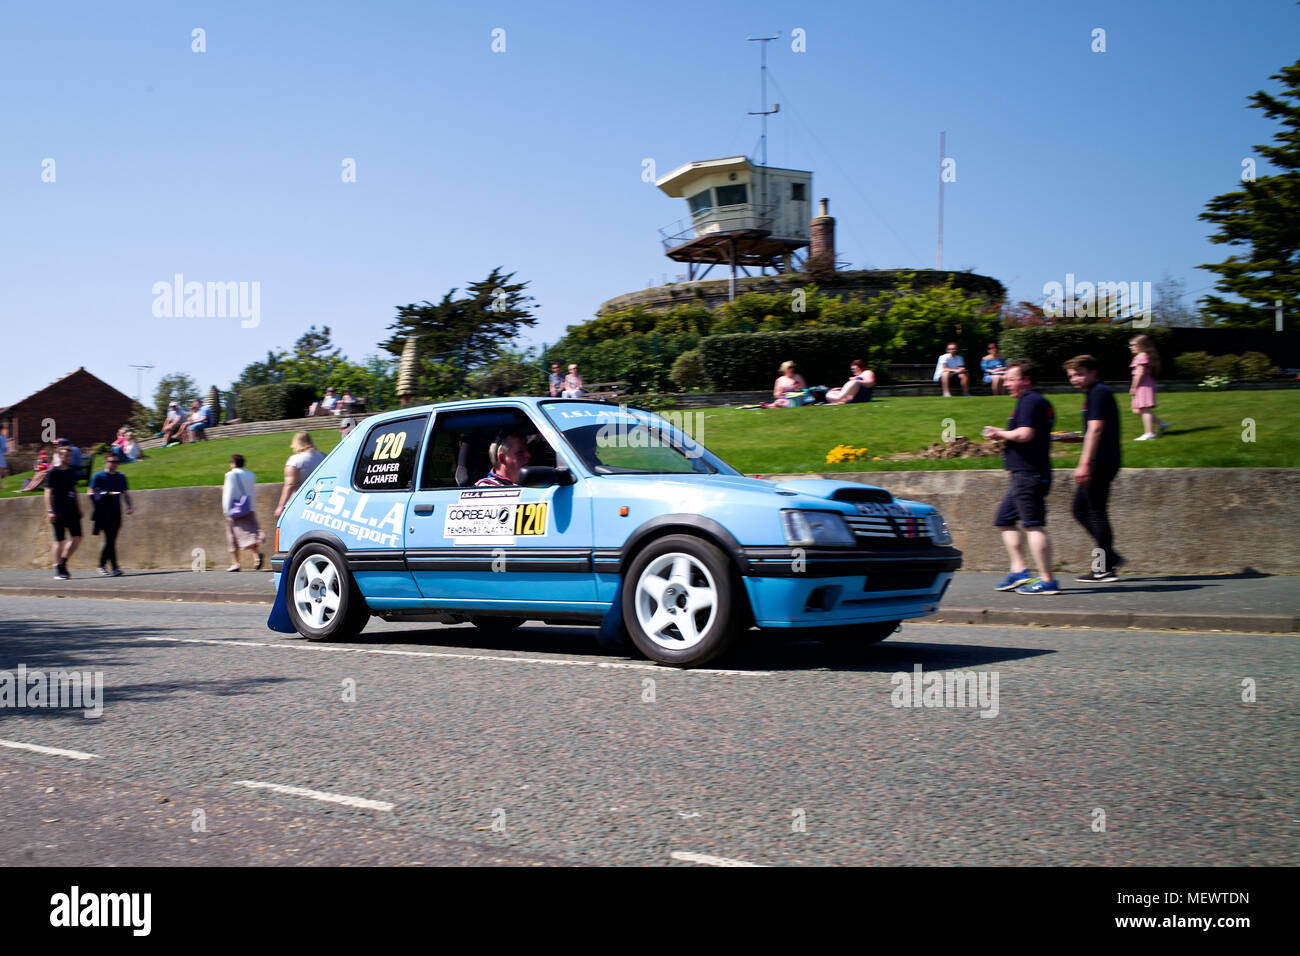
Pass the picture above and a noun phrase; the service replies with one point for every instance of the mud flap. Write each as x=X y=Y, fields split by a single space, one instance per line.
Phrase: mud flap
x=279 y=619
x=613 y=633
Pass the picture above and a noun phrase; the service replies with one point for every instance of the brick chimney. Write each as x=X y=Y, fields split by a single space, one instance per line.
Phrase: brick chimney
x=821 y=250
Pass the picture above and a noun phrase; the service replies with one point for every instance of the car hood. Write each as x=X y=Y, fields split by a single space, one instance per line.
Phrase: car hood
x=815 y=493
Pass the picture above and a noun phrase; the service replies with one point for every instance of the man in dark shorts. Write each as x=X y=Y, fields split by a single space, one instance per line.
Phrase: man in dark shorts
x=107 y=489
x=1098 y=465
x=1028 y=436
x=63 y=510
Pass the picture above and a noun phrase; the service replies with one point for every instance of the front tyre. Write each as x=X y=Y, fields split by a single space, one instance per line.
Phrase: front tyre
x=323 y=600
x=677 y=601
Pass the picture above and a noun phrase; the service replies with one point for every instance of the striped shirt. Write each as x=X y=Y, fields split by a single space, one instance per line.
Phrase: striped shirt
x=493 y=480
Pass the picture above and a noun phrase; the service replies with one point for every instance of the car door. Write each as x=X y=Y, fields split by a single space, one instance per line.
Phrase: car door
x=363 y=503
x=510 y=549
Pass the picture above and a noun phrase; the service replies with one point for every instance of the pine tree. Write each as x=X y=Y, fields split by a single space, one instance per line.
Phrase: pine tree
x=1264 y=217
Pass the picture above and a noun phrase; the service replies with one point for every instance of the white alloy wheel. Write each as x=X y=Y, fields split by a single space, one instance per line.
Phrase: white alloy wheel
x=676 y=601
x=317 y=590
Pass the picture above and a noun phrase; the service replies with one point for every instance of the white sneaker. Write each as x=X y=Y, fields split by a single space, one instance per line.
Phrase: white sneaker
x=1147 y=437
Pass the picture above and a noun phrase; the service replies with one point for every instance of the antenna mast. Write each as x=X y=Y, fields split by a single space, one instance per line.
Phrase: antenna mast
x=139 y=375
x=765 y=113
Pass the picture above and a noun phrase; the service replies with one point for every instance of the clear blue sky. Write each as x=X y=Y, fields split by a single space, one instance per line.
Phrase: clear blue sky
x=225 y=165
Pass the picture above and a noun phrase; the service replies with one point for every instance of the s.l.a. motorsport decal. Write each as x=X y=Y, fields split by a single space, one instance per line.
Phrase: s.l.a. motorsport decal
x=483 y=516
x=327 y=509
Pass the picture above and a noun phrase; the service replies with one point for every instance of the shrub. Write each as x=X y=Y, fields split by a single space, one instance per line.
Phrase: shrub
x=1194 y=365
x=1048 y=346
x=1227 y=366
x=751 y=362
x=688 y=371
x=268 y=403
x=1256 y=367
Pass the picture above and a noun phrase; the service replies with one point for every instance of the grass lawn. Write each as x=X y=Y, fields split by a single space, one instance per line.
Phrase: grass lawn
x=204 y=463
x=1206 y=433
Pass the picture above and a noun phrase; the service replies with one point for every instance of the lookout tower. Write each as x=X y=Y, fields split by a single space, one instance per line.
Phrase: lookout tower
x=740 y=214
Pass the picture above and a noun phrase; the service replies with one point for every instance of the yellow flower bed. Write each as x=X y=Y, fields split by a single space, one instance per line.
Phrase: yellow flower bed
x=842 y=453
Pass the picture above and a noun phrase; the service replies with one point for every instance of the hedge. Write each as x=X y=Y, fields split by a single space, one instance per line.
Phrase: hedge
x=752 y=360
x=1049 y=346
x=268 y=403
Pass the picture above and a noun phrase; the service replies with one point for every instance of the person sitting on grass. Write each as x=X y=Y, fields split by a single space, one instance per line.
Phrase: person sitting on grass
x=788 y=381
x=172 y=424
x=857 y=389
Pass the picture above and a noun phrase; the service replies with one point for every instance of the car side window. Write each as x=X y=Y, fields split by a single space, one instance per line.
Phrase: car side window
x=388 y=456
x=457 y=455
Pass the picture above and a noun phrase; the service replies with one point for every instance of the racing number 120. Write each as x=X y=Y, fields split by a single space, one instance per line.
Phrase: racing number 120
x=530 y=518
x=389 y=445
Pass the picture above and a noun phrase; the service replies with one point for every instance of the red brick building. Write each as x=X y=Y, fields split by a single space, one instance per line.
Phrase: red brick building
x=84 y=410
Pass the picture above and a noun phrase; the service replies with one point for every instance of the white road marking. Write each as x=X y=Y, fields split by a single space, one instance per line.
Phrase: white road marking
x=707 y=860
x=52 y=751
x=611 y=665
x=342 y=798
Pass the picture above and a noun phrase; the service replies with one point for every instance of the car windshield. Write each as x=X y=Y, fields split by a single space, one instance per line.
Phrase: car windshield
x=619 y=440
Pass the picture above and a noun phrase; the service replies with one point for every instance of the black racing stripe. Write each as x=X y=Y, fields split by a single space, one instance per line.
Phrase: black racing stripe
x=503 y=558
x=829 y=562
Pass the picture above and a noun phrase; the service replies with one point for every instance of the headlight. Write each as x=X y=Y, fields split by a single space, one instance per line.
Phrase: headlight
x=938 y=529
x=816 y=528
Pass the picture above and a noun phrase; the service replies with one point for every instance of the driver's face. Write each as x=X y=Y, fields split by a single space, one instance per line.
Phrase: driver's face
x=515 y=456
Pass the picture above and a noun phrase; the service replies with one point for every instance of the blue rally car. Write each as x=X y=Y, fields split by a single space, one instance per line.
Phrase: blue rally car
x=618 y=518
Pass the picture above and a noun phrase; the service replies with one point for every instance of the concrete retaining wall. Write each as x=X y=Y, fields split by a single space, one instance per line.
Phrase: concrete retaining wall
x=167 y=527
x=1167 y=520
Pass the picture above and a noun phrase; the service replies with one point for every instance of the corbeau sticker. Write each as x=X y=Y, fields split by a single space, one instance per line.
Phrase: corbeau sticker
x=497 y=522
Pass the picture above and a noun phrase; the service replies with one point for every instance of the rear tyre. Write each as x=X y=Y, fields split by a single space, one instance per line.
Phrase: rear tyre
x=323 y=600
x=677 y=601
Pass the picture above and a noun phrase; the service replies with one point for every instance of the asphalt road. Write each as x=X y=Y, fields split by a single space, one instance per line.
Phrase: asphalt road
x=539 y=749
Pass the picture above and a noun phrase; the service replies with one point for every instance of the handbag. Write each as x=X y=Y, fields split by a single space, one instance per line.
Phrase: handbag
x=240 y=507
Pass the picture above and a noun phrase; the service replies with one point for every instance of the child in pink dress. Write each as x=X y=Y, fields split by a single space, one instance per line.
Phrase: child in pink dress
x=1145 y=367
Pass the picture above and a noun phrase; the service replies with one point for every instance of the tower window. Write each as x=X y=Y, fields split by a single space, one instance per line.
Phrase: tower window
x=799 y=191
x=733 y=195
x=699 y=202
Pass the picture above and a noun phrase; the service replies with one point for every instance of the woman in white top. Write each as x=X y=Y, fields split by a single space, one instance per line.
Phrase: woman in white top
x=242 y=531
x=306 y=456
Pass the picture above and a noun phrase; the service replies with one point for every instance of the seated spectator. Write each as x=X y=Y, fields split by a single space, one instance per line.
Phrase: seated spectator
x=197 y=422
x=346 y=403
x=40 y=470
x=4 y=452
x=130 y=448
x=556 y=380
x=172 y=424
x=572 y=384
x=857 y=389
x=329 y=402
x=788 y=382
x=995 y=368
x=950 y=366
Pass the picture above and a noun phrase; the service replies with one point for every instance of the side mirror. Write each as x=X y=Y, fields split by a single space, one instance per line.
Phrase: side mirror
x=534 y=476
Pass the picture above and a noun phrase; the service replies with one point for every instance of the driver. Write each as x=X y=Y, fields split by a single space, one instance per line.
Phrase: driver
x=508 y=454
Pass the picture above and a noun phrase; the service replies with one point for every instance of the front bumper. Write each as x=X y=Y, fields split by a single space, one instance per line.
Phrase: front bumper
x=828 y=587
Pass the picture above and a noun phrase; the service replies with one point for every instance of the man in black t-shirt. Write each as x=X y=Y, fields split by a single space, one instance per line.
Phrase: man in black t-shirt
x=1098 y=465
x=1029 y=437
x=63 y=510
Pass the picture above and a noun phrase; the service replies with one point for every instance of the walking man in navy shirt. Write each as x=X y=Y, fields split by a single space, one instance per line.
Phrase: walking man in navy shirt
x=107 y=489
x=1028 y=436
x=1098 y=465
